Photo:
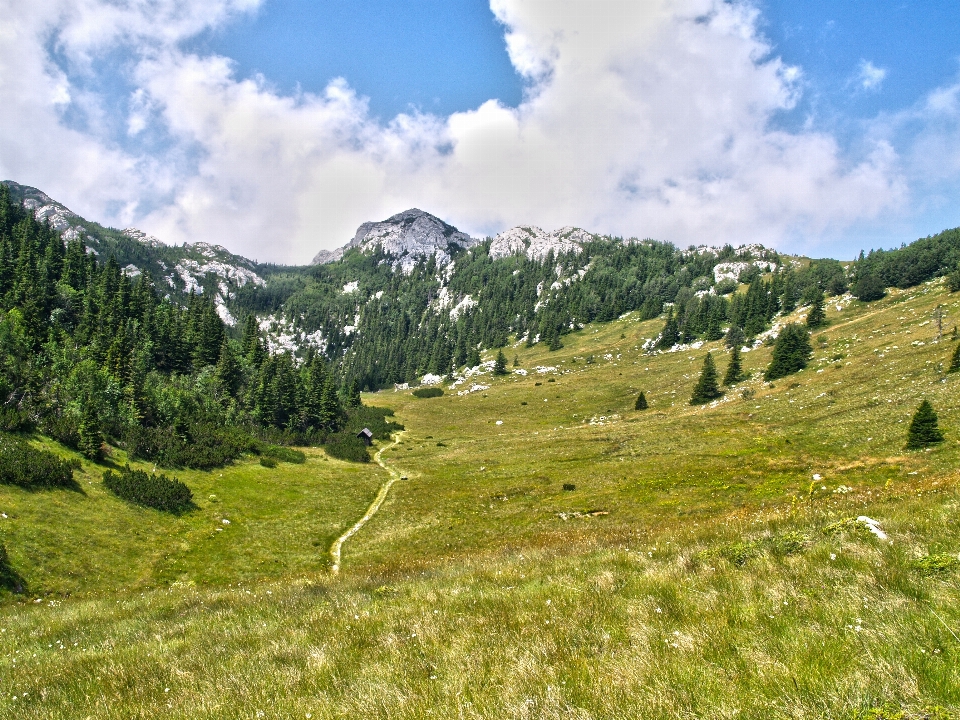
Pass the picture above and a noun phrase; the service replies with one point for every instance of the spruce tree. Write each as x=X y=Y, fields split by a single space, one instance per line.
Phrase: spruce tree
x=923 y=431
x=500 y=366
x=228 y=372
x=91 y=439
x=791 y=352
x=734 y=370
x=641 y=403
x=955 y=361
x=473 y=357
x=734 y=337
x=817 y=317
x=706 y=388
x=670 y=335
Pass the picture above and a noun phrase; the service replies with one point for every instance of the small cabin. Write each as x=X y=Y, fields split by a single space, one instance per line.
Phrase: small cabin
x=366 y=436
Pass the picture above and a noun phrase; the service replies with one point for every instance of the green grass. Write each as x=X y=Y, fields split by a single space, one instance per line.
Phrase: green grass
x=698 y=569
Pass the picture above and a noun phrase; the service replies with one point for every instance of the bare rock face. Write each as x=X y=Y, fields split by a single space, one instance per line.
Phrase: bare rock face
x=537 y=244
x=408 y=236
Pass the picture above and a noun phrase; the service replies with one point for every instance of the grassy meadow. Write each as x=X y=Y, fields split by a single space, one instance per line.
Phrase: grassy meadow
x=707 y=561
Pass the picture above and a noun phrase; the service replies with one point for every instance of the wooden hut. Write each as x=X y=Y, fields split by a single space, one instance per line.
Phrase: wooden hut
x=366 y=436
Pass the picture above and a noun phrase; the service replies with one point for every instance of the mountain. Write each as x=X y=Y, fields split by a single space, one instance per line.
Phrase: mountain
x=409 y=236
x=537 y=244
x=178 y=269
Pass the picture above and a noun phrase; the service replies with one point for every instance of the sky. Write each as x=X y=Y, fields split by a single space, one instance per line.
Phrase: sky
x=276 y=127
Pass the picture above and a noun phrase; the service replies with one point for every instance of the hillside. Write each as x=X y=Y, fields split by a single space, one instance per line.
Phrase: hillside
x=707 y=561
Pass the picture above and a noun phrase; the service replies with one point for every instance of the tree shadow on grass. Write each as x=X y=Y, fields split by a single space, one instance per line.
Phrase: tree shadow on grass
x=10 y=579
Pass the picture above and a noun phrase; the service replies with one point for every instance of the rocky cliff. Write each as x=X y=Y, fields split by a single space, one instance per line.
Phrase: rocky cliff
x=408 y=236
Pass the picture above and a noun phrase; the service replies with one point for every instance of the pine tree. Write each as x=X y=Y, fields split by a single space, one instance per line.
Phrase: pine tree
x=91 y=439
x=228 y=370
x=791 y=352
x=473 y=357
x=500 y=366
x=734 y=370
x=955 y=361
x=817 y=317
x=641 y=403
x=670 y=335
x=706 y=388
x=734 y=337
x=923 y=431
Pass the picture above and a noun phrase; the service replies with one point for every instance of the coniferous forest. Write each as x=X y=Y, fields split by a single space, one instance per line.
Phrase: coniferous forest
x=91 y=352
x=89 y=355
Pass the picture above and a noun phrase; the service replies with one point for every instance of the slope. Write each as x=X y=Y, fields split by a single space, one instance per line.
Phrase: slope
x=728 y=576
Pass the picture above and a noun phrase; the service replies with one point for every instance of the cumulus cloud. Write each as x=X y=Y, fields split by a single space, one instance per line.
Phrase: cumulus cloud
x=641 y=118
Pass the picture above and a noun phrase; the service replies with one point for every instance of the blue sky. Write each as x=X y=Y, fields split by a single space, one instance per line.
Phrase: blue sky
x=816 y=127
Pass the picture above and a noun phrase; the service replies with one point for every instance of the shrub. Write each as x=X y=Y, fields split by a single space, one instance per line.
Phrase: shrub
x=869 y=288
x=737 y=553
x=203 y=446
x=151 y=490
x=430 y=392
x=268 y=462
x=641 y=403
x=937 y=564
x=283 y=454
x=344 y=446
x=374 y=419
x=28 y=467
x=724 y=287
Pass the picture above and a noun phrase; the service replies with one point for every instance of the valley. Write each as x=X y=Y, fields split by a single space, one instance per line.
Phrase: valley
x=553 y=553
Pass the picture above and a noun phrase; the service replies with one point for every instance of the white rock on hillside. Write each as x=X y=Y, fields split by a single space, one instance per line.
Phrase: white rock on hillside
x=536 y=244
x=409 y=236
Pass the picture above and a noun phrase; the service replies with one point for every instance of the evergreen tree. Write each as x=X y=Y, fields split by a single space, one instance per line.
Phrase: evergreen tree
x=90 y=437
x=955 y=360
x=706 y=388
x=473 y=357
x=817 y=317
x=641 y=403
x=228 y=372
x=734 y=337
x=500 y=366
x=923 y=431
x=791 y=352
x=734 y=370
x=869 y=288
x=670 y=335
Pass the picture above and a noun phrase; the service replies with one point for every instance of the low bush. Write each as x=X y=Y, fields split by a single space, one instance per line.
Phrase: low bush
x=28 y=467
x=150 y=490
x=346 y=446
x=282 y=454
x=268 y=462
x=201 y=446
x=374 y=419
x=936 y=564
x=430 y=392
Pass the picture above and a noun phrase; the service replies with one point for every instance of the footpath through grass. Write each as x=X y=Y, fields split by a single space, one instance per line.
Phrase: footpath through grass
x=708 y=561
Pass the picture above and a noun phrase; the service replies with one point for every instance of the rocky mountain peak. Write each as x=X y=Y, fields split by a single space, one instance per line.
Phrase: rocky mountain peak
x=409 y=236
x=537 y=244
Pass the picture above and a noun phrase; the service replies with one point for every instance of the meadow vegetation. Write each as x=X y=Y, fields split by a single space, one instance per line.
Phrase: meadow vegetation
x=552 y=551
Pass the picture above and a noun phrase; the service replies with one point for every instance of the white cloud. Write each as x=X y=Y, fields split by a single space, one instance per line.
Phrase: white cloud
x=643 y=117
x=869 y=76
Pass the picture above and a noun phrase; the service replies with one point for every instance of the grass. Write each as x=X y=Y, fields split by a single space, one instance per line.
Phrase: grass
x=697 y=569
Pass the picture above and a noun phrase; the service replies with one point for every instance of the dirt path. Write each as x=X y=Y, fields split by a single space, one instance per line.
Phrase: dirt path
x=374 y=506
